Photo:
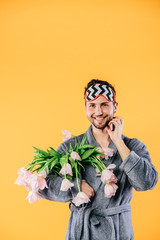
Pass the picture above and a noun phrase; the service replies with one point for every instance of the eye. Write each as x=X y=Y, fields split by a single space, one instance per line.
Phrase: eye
x=91 y=105
x=105 y=104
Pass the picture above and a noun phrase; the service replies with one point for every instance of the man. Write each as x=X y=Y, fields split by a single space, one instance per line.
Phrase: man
x=104 y=218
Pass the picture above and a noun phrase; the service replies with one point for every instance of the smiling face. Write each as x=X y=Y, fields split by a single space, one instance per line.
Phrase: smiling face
x=100 y=111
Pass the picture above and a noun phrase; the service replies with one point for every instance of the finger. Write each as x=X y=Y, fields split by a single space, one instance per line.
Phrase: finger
x=121 y=119
x=116 y=121
x=91 y=195
x=118 y=117
x=92 y=192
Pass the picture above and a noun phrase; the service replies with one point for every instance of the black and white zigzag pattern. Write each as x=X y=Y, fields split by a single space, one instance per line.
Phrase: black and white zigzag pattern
x=99 y=89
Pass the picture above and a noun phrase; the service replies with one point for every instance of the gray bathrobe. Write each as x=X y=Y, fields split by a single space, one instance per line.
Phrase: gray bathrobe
x=105 y=218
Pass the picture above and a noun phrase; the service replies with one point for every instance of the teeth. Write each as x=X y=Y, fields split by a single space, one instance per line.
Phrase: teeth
x=99 y=118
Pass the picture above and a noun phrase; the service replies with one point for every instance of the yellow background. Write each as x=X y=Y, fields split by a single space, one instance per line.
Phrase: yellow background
x=49 y=50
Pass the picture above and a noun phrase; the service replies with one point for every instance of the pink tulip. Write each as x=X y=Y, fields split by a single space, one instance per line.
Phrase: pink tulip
x=33 y=197
x=75 y=156
x=107 y=151
x=32 y=182
x=108 y=176
x=23 y=178
x=111 y=166
x=66 y=184
x=20 y=181
x=37 y=181
x=66 y=169
x=110 y=189
x=22 y=171
x=67 y=135
x=97 y=172
x=80 y=199
x=99 y=149
x=42 y=174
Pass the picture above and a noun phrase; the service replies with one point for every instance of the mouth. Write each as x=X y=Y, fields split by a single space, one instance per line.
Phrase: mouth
x=99 y=119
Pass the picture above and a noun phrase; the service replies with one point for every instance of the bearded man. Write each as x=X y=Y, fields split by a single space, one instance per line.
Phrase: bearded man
x=104 y=218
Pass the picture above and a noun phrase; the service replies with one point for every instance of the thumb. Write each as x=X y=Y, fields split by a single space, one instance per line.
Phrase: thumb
x=108 y=129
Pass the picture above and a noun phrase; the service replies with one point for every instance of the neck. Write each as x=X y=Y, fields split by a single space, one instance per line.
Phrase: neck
x=100 y=134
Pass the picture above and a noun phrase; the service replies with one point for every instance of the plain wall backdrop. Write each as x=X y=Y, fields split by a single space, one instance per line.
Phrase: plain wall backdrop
x=49 y=50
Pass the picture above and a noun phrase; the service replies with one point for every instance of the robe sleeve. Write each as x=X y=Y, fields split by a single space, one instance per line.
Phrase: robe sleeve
x=53 y=192
x=138 y=167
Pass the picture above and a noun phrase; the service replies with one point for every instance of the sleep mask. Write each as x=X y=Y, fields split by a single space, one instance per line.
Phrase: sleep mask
x=97 y=90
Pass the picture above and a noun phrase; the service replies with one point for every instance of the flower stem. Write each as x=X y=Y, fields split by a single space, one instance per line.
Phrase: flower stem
x=77 y=176
x=100 y=163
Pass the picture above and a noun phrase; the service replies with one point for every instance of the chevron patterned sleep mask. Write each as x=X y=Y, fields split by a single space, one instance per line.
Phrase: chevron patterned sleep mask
x=97 y=90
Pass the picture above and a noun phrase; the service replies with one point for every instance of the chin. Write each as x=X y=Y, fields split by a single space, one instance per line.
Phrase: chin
x=100 y=127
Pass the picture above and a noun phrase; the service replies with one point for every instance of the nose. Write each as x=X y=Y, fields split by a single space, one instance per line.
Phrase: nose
x=98 y=110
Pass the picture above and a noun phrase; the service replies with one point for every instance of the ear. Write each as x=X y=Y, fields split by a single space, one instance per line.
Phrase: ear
x=115 y=107
x=85 y=105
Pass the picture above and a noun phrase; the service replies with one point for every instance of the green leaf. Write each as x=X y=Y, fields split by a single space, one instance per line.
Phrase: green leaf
x=53 y=152
x=99 y=153
x=82 y=151
x=54 y=163
x=87 y=153
x=42 y=168
x=47 y=170
x=37 y=169
x=41 y=151
x=78 y=162
x=83 y=141
x=39 y=159
x=68 y=176
x=87 y=146
x=62 y=160
x=39 y=163
x=71 y=148
x=76 y=145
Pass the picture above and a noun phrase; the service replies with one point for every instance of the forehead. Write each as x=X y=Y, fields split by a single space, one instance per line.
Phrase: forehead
x=98 y=100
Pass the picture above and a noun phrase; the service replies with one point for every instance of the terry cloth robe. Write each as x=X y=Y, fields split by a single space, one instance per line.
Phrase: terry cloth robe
x=105 y=218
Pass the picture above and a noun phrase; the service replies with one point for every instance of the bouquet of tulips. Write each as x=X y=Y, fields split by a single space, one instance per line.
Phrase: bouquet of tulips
x=68 y=166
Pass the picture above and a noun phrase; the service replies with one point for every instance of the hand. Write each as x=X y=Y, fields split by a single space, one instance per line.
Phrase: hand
x=117 y=133
x=87 y=189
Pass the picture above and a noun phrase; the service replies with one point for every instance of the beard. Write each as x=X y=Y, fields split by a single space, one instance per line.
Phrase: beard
x=104 y=125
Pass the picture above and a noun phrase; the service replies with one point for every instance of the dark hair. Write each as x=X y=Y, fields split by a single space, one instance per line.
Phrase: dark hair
x=95 y=81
